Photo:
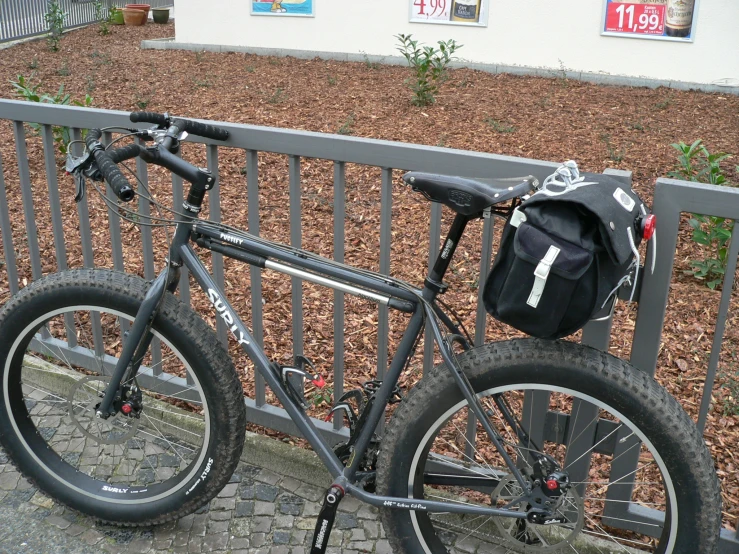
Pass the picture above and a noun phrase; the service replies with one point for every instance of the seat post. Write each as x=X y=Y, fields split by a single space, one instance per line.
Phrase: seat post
x=436 y=275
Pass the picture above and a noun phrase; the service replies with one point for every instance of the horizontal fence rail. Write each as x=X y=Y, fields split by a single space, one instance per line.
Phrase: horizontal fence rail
x=671 y=199
x=26 y=18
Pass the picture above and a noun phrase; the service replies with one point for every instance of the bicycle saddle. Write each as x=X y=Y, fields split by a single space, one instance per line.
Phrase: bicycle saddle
x=468 y=196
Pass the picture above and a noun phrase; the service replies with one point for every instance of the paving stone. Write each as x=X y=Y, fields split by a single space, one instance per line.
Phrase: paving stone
x=258 y=539
x=362 y=546
x=9 y=480
x=229 y=490
x=350 y=504
x=181 y=539
x=140 y=545
x=371 y=529
x=284 y=522
x=244 y=509
x=225 y=515
x=267 y=476
x=58 y=522
x=310 y=492
x=162 y=544
x=290 y=484
x=298 y=536
x=266 y=493
x=357 y=535
x=279 y=550
x=345 y=521
x=240 y=527
x=238 y=544
x=217 y=527
x=216 y=541
x=383 y=547
x=223 y=504
x=261 y=524
x=91 y=537
x=281 y=537
x=264 y=508
x=75 y=530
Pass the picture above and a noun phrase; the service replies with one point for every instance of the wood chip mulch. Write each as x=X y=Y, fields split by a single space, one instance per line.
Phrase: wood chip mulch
x=542 y=118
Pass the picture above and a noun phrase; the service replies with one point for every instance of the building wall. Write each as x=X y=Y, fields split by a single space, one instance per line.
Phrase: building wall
x=531 y=33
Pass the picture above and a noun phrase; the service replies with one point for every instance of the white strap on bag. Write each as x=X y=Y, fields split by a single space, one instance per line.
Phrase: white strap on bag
x=541 y=273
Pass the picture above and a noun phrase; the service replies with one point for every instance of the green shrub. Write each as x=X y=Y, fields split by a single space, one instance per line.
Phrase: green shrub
x=54 y=18
x=429 y=65
x=696 y=163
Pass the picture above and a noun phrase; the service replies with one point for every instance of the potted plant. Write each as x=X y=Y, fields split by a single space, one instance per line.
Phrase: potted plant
x=161 y=15
x=134 y=17
x=143 y=7
x=116 y=16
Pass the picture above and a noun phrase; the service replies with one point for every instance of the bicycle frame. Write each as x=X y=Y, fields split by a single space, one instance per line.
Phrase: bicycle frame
x=371 y=286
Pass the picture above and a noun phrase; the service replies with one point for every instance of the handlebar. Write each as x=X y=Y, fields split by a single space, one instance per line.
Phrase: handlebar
x=108 y=167
x=106 y=160
x=192 y=127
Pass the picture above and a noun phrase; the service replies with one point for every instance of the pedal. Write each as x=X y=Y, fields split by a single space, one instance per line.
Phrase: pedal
x=299 y=370
x=326 y=518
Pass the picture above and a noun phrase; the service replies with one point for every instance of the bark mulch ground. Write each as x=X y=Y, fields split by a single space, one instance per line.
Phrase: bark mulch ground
x=543 y=118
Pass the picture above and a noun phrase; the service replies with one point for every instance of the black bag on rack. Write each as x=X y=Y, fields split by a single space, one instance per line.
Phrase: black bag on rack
x=564 y=253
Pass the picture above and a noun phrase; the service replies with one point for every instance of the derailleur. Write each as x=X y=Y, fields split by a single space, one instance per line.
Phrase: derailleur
x=355 y=405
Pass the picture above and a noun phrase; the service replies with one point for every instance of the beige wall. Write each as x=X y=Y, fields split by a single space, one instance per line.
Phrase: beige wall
x=533 y=33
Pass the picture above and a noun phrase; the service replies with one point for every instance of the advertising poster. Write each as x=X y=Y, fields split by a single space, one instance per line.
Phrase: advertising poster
x=454 y=12
x=282 y=7
x=656 y=19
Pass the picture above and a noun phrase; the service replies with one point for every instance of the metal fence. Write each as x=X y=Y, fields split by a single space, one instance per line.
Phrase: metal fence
x=26 y=18
x=670 y=200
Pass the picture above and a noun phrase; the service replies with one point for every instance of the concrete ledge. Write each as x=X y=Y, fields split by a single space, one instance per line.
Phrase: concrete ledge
x=563 y=73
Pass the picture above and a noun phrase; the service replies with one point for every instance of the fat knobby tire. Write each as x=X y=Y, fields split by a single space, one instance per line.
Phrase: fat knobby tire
x=189 y=334
x=611 y=380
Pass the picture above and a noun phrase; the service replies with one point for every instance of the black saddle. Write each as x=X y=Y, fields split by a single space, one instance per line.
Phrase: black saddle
x=468 y=196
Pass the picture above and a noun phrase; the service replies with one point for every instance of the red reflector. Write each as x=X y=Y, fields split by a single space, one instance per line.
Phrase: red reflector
x=319 y=381
x=648 y=226
x=126 y=409
x=552 y=484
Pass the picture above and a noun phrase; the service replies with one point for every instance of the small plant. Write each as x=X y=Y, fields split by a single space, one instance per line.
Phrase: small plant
x=561 y=74
x=429 y=65
x=54 y=18
x=367 y=62
x=249 y=69
x=322 y=396
x=346 y=127
x=100 y=16
x=33 y=64
x=205 y=83
x=100 y=58
x=636 y=126
x=331 y=80
x=696 y=163
x=24 y=89
x=664 y=104
x=141 y=99
x=90 y=88
x=499 y=127
x=274 y=61
x=277 y=97
x=199 y=56
x=63 y=71
x=442 y=140
x=731 y=401
x=613 y=154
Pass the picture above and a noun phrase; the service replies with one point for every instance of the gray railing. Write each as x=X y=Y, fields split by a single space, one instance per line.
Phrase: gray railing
x=671 y=199
x=26 y=18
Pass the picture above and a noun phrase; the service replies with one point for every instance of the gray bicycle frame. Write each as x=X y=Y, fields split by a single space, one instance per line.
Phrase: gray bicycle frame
x=368 y=285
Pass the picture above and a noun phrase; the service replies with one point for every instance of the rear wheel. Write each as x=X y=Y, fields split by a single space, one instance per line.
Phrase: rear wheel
x=642 y=479
x=181 y=441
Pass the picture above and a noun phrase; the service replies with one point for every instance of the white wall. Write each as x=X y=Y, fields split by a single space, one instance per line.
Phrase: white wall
x=533 y=33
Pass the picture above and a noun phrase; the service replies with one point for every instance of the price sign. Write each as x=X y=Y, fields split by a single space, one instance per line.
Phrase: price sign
x=430 y=10
x=642 y=19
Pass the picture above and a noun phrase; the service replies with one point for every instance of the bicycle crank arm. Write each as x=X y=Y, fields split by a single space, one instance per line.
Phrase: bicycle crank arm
x=326 y=518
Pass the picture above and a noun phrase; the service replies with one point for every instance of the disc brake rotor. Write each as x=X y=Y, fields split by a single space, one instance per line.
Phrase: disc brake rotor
x=522 y=536
x=82 y=403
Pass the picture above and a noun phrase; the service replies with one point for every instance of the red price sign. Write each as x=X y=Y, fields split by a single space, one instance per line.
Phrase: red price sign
x=430 y=9
x=643 y=19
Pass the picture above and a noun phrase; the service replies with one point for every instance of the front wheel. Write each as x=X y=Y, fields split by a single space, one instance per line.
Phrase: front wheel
x=640 y=477
x=168 y=452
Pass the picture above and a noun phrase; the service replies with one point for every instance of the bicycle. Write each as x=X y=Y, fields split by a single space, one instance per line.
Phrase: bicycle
x=119 y=401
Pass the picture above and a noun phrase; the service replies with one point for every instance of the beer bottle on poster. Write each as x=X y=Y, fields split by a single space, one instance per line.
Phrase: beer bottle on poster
x=467 y=11
x=679 y=18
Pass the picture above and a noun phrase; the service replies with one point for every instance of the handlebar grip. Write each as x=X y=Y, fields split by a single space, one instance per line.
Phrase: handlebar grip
x=149 y=117
x=125 y=153
x=107 y=167
x=201 y=129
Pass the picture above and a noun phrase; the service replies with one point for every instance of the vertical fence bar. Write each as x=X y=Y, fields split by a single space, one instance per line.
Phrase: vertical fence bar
x=718 y=335
x=56 y=219
x=296 y=240
x=88 y=258
x=255 y=274
x=214 y=209
x=114 y=220
x=386 y=211
x=28 y=213
x=434 y=238
x=339 y=222
x=6 y=231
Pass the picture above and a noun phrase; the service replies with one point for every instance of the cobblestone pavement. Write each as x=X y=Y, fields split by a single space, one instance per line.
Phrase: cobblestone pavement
x=257 y=512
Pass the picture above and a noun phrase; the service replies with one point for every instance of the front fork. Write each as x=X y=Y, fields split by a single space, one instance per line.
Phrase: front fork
x=138 y=339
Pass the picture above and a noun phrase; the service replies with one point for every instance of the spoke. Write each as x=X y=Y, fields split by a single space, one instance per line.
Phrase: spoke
x=623 y=477
x=595 y=445
x=472 y=445
x=455 y=447
x=165 y=438
x=605 y=534
x=512 y=444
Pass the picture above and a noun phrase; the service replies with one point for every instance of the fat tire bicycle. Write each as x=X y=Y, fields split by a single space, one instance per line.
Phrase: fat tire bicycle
x=117 y=399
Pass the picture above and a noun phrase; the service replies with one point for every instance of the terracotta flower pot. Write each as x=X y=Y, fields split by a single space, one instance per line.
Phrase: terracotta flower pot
x=134 y=17
x=143 y=7
x=160 y=15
